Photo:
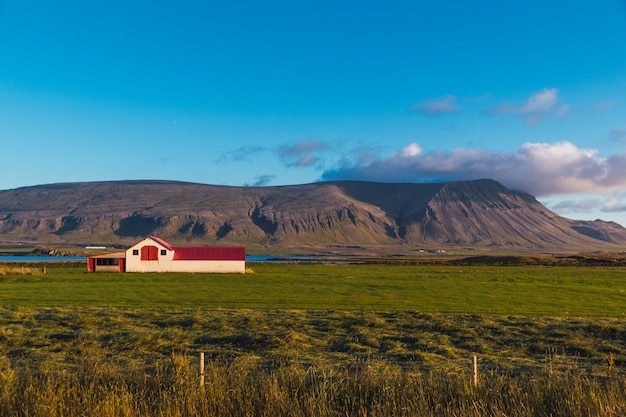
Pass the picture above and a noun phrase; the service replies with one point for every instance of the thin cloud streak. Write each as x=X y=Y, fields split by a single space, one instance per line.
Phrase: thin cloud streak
x=302 y=153
x=539 y=105
x=605 y=105
x=263 y=180
x=241 y=154
x=542 y=169
x=437 y=106
x=576 y=206
x=606 y=203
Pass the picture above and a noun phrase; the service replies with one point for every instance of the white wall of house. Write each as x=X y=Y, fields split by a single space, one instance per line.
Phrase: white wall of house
x=187 y=266
x=135 y=264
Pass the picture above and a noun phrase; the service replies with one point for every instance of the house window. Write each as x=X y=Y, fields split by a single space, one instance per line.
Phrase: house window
x=135 y=252
x=163 y=252
x=107 y=261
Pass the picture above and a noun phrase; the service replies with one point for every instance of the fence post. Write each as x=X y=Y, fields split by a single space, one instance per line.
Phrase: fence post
x=202 y=369
x=474 y=371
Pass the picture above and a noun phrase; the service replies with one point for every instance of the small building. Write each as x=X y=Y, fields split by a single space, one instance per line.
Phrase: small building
x=156 y=255
x=107 y=262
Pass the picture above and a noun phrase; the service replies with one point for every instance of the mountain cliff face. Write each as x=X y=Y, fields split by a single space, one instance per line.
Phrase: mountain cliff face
x=480 y=213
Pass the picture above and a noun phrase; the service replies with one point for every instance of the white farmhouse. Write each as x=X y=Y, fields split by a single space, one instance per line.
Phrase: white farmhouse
x=156 y=255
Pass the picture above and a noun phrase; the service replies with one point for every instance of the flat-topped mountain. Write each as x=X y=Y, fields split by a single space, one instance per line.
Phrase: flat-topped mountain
x=481 y=213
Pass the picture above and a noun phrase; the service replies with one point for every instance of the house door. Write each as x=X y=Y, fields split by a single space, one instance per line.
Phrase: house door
x=149 y=253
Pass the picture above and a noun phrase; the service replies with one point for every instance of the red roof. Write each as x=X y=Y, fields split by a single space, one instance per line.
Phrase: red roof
x=204 y=253
x=162 y=242
x=209 y=253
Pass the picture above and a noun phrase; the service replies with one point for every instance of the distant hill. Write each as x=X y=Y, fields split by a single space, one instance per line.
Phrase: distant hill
x=480 y=214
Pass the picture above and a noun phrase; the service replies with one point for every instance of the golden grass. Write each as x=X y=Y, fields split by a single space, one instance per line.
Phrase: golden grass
x=22 y=270
x=99 y=387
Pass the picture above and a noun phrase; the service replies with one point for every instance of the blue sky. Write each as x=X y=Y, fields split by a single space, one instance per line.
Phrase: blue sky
x=531 y=94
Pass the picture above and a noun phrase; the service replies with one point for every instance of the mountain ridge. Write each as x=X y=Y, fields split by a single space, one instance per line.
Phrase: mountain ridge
x=480 y=213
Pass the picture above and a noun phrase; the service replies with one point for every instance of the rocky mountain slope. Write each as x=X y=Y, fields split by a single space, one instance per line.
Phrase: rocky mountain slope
x=480 y=213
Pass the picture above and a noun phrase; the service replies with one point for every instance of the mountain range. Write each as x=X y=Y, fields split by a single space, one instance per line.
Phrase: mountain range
x=337 y=214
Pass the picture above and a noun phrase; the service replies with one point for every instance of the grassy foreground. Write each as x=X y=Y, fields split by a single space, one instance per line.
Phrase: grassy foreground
x=144 y=362
x=237 y=390
x=315 y=340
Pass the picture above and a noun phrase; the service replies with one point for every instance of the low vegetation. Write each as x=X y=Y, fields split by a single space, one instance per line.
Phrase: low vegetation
x=240 y=389
x=316 y=340
x=22 y=270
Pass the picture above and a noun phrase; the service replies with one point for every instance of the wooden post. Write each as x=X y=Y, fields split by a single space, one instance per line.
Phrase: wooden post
x=202 y=369
x=474 y=371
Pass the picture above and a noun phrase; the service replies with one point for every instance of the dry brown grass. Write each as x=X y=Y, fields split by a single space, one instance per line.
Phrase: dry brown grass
x=144 y=362
x=98 y=387
x=22 y=270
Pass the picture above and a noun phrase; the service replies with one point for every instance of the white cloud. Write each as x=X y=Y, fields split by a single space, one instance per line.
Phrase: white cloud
x=542 y=169
x=616 y=203
x=536 y=107
x=575 y=206
x=437 y=106
x=411 y=151
x=542 y=102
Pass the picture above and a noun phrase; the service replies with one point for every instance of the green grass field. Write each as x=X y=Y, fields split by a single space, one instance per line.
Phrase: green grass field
x=511 y=290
